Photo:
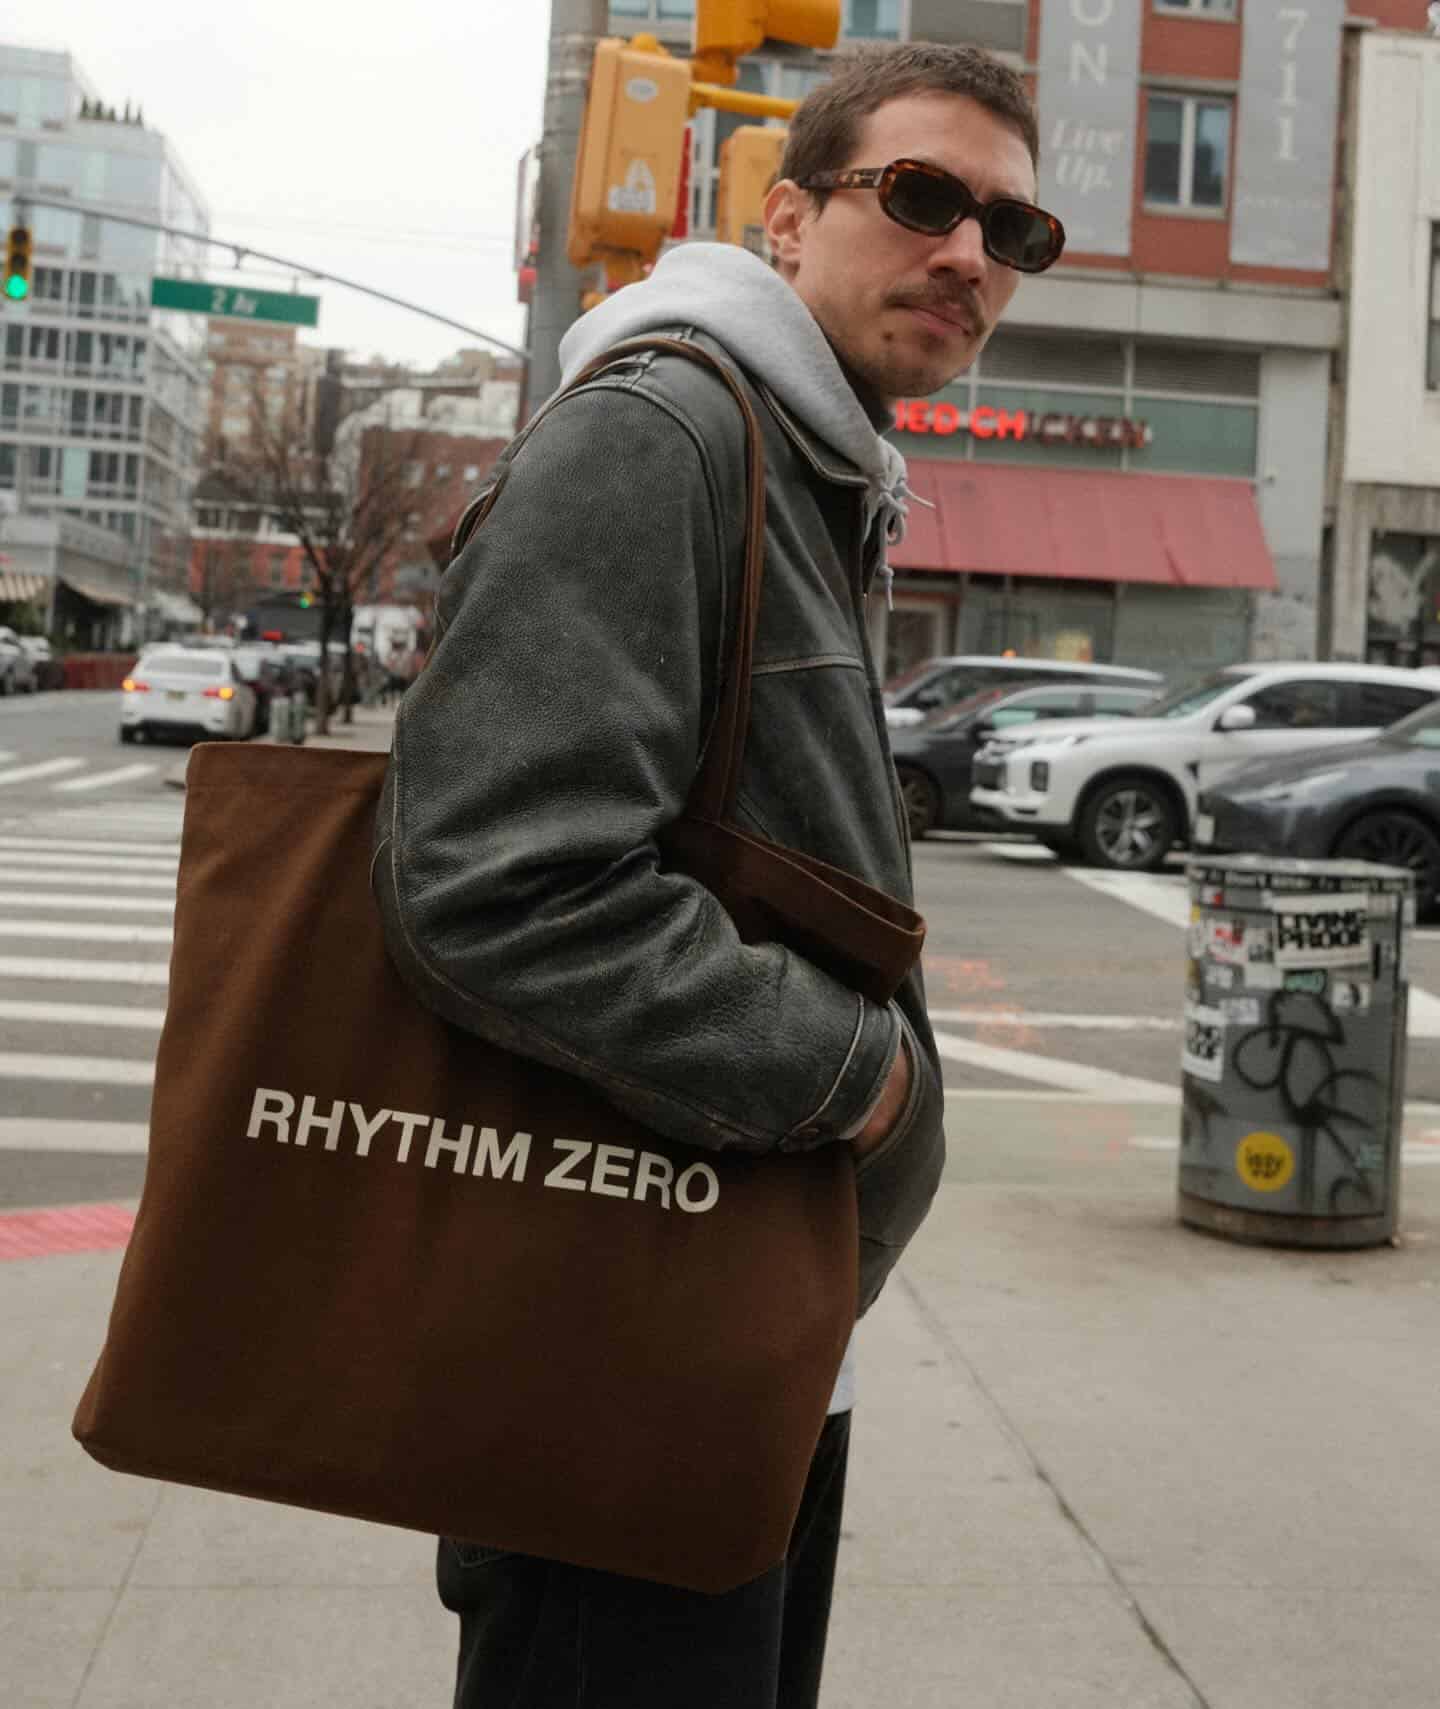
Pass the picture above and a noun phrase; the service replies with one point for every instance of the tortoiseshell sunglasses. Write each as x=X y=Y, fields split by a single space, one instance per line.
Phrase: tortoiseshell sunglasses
x=928 y=199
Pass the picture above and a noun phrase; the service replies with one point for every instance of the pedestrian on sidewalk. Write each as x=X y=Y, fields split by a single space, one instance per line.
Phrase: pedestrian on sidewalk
x=556 y=731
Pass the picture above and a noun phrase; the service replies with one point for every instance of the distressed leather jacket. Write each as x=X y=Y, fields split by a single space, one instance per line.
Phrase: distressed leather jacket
x=558 y=727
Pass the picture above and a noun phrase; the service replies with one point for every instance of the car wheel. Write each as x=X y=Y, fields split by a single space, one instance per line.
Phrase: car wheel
x=1397 y=839
x=127 y=734
x=921 y=799
x=1128 y=824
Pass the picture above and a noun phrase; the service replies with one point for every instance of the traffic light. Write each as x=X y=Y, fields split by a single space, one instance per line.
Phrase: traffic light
x=726 y=30
x=749 y=162
x=627 y=173
x=17 y=263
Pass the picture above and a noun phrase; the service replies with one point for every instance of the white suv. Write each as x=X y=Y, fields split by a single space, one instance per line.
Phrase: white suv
x=1122 y=792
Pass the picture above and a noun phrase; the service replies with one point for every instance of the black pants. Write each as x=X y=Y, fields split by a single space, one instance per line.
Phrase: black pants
x=537 y=1635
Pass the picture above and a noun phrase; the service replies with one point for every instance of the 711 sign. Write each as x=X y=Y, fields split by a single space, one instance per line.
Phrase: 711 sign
x=193 y=296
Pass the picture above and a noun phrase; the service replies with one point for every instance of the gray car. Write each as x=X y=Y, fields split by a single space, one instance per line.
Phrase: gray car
x=1377 y=800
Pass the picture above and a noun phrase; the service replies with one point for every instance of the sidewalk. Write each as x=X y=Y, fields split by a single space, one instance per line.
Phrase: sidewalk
x=1100 y=1462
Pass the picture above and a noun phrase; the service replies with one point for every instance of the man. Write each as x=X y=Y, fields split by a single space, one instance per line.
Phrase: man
x=558 y=726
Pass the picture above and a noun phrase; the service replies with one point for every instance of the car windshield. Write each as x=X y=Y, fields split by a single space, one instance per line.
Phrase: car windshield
x=1420 y=730
x=1190 y=697
x=184 y=664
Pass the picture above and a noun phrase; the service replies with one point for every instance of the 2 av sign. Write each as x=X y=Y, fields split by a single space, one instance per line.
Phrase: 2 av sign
x=194 y=296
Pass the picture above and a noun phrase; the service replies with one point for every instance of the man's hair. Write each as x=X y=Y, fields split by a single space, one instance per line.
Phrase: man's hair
x=825 y=130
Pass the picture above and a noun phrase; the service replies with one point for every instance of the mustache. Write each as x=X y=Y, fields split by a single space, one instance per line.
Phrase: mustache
x=946 y=303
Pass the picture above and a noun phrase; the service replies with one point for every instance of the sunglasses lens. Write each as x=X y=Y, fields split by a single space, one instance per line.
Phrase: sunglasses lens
x=924 y=202
x=1020 y=235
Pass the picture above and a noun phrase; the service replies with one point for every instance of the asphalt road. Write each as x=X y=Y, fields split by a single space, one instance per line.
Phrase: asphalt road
x=1056 y=992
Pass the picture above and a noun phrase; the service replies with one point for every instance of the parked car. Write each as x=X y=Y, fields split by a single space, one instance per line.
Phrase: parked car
x=49 y=672
x=186 y=693
x=1122 y=794
x=933 y=759
x=1377 y=800
x=269 y=674
x=940 y=682
x=18 y=674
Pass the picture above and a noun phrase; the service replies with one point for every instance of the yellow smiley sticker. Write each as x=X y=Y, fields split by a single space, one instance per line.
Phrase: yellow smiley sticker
x=1264 y=1162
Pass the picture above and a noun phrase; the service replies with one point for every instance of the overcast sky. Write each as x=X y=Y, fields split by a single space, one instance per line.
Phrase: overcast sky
x=376 y=142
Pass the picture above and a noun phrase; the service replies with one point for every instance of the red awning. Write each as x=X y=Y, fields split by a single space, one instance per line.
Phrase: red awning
x=1013 y=519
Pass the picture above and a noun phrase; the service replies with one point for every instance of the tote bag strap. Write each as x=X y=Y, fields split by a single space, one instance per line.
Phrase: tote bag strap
x=712 y=797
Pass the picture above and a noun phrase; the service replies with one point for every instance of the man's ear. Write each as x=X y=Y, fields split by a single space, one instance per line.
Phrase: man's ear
x=788 y=210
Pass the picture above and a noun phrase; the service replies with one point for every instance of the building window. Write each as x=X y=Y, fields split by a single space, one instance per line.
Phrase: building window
x=1432 y=366
x=1200 y=8
x=1187 y=151
x=877 y=18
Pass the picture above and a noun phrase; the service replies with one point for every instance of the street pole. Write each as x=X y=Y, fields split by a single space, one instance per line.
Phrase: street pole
x=575 y=27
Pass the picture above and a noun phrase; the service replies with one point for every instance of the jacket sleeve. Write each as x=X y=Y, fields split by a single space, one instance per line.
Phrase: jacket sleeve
x=556 y=729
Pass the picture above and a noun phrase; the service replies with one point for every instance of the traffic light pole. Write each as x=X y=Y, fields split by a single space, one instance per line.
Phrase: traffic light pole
x=575 y=27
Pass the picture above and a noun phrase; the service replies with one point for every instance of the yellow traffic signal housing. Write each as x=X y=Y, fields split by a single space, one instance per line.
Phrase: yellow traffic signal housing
x=15 y=282
x=749 y=162
x=727 y=30
x=627 y=175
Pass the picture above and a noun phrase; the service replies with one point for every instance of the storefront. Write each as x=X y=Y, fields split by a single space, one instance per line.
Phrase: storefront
x=1087 y=498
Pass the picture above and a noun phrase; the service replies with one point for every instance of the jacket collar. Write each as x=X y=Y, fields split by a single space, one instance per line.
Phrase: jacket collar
x=823 y=458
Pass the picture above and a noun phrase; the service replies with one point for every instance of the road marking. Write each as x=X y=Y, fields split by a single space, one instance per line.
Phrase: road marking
x=48 y=861
x=68 y=845
x=94 y=904
x=1021 y=852
x=104 y=779
x=76 y=1070
x=41 y=1133
x=63 y=873
x=1153 y=893
x=83 y=932
x=1051 y=1071
x=46 y=768
x=69 y=1228
x=86 y=972
x=82 y=1014
x=1025 y=1018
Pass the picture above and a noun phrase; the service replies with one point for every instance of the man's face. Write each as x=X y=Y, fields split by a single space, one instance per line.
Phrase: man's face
x=906 y=311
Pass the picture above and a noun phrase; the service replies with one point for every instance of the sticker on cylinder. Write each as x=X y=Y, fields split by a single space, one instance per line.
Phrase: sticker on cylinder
x=1264 y=1162
x=1204 y=1052
x=1321 y=931
x=1350 y=996
x=1225 y=940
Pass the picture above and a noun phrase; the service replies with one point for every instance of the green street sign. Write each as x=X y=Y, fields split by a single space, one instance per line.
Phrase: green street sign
x=193 y=296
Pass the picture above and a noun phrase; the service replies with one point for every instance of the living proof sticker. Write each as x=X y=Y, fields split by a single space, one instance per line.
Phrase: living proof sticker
x=1264 y=1162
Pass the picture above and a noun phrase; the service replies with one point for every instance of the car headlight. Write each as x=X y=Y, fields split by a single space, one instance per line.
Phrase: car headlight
x=1291 y=789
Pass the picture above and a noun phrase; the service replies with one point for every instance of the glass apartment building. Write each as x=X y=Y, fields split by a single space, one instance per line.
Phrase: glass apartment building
x=101 y=397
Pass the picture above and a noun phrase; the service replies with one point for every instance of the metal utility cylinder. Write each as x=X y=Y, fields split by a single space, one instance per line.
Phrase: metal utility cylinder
x=1294 y=1055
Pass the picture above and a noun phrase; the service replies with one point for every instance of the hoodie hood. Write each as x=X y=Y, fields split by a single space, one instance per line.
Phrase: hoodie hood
x=733 y=296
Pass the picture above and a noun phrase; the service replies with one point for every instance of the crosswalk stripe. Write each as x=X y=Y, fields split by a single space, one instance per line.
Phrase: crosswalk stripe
x=1074 y=1077
x=69 y=845
x=63 y=873
x=91 y=863
x=39 y=1133
x=105 y=779
x=45 y=768
x=50 y=968
x=76 y=1070
x=82 y=1015
x=93 y=903
x=83 y=932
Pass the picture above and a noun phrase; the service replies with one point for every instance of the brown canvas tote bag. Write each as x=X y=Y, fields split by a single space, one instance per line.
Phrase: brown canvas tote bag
x=384 y=1269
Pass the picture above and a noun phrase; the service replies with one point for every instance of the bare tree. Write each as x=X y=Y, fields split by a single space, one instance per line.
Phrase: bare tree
x=348 y=509
x=223 y=564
